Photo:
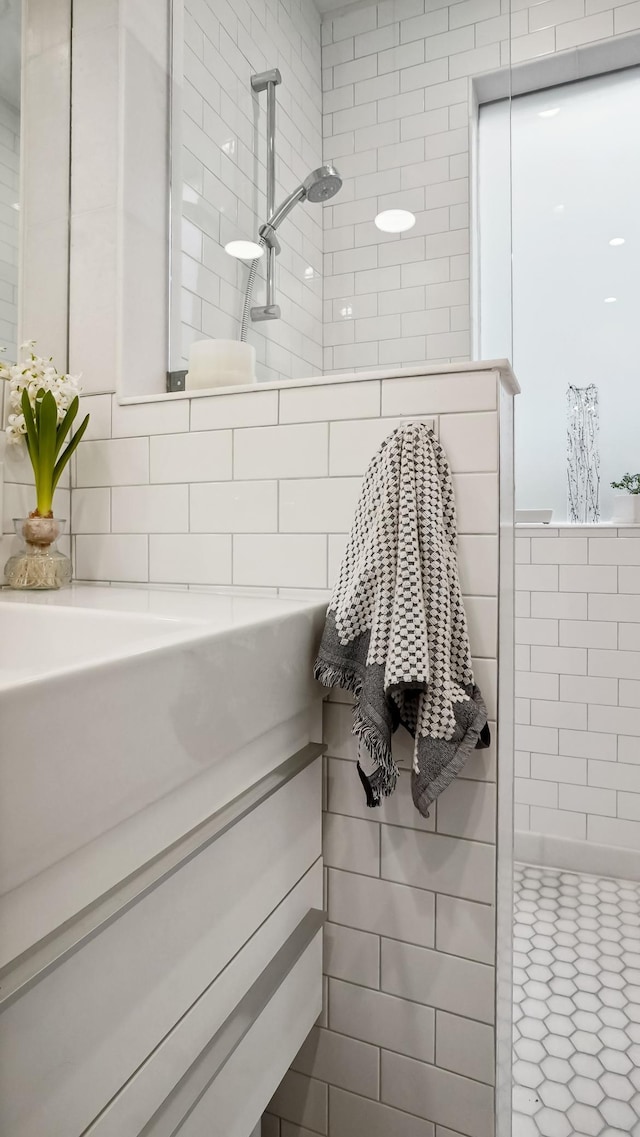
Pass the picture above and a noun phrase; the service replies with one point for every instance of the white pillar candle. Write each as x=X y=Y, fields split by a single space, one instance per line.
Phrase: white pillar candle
x=220 y=363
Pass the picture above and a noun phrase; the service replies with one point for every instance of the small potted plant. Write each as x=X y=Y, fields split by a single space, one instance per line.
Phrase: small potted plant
x=43 y=405
x=626 y=506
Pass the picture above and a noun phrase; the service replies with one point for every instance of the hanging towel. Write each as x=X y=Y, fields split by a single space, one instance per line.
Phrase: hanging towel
x=396 y=631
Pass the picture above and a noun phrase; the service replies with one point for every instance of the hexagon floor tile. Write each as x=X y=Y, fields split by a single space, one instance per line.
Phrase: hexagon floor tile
x=575 y=1066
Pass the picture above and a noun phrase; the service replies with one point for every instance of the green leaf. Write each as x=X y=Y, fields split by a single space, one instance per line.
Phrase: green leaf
x=48 y=428
x=64 y=458
x=47 y=447
x=66 y=424
x=32 y=434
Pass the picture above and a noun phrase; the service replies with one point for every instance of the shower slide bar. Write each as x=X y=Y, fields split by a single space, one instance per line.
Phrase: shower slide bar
x=268 y=81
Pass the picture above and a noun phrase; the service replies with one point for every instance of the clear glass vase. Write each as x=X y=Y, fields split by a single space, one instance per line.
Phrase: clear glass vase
x=38 y=564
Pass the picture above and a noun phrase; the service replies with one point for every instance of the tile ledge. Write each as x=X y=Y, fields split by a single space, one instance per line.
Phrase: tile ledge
x=578 y=528
x=425 y=370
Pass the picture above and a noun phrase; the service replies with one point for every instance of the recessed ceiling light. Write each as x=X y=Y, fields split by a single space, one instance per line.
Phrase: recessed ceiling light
x=550 y=113
x=395 y=220
x=617 y=241
x=611 y=299
x=244 y=250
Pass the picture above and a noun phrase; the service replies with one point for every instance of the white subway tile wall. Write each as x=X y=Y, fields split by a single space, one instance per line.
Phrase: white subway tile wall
x=396 y=106
x=260 y=492
x=382 y=90
x=224 y=176
x=578 y=732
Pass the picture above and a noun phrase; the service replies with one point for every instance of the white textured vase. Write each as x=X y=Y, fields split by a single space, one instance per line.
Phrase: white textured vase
x=626 y=509
x=220 y=363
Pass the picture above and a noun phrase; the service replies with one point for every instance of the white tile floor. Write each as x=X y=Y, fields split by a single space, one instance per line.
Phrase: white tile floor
x=576 y=1005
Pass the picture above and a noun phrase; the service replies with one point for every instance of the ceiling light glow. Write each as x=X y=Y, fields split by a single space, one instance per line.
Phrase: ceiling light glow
x=611 y=299
x=616 y=241
x=244 y=250
x=395 y=220
x=550 y=113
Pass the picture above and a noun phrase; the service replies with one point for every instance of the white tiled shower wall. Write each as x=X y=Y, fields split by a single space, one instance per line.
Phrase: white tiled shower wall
x=257 y=489
x=224 y=175
x=578 y=684
x=9 y=225
x=395 y=95
x=396 y=82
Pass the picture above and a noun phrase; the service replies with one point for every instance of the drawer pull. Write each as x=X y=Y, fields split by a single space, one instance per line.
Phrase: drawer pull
x=41 y=958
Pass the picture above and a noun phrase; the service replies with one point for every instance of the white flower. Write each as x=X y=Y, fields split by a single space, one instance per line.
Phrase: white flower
x=36 y=375
x=16 y=429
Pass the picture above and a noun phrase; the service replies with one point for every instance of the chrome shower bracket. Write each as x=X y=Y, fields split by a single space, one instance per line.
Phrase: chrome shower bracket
x=270 y=239
x=260 y=82
x=268 y=81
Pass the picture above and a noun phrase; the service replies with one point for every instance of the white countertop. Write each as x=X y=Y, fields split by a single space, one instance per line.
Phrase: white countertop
x=213 y=609
x=47 y=634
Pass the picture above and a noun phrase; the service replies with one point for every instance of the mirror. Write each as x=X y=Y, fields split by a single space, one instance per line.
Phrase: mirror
x=238 y=151
x=10 y=34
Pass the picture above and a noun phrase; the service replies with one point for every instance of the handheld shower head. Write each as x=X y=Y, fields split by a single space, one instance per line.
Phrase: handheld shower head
x=322 y=184
x=319 y=186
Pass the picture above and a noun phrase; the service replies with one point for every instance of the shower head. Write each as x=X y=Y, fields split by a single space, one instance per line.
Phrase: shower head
x=322 y=184
x=319 y=186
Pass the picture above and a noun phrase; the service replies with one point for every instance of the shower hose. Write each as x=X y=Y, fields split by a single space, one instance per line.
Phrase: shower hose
x=248 y=294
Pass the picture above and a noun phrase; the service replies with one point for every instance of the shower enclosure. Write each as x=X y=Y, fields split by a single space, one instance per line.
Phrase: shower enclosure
x=246 y=128
x=576 y=288
x=569 y=138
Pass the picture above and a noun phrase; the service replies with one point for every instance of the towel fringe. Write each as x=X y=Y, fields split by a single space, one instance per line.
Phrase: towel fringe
x=331 y=676
x=383 y=781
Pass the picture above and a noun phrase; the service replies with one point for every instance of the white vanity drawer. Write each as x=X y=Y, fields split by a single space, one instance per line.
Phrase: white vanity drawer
x=70 y=1042
x=162 y=1090
x=236 y=1098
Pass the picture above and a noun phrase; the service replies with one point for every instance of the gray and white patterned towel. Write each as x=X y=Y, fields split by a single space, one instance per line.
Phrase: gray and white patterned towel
x=396 y=631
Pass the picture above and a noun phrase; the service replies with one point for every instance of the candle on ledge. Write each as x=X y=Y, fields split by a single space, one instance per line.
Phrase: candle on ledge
x=220 y=363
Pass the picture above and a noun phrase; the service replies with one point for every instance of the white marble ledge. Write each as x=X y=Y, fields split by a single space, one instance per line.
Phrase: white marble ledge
x=502 y=366
x=567 y=529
